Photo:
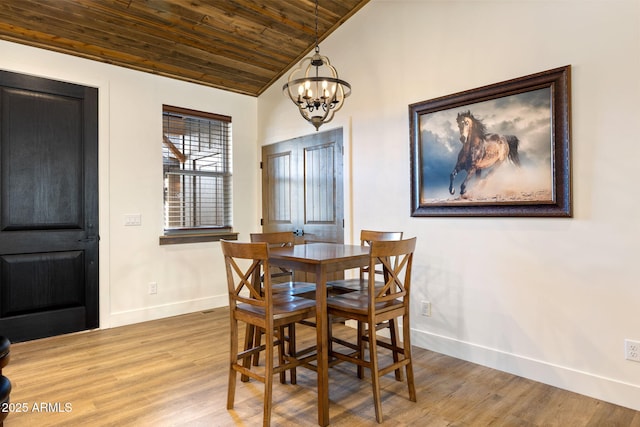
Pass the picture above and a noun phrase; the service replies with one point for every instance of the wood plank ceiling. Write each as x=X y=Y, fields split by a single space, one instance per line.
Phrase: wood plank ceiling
x=238 y=45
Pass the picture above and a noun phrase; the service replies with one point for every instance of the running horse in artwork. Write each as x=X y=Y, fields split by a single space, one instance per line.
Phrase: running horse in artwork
x=481 y=150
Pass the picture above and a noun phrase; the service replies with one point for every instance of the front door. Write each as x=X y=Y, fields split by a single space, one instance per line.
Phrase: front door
x=302 y=189
x=48 y=207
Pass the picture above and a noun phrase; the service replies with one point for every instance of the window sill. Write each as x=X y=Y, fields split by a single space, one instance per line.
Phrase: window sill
x=176 y=239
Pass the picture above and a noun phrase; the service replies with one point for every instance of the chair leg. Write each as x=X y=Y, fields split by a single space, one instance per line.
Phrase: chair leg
x=360 y=344
x=407 y=354
x=281 y=339
x=249 y=338
x=292 y=350
x=375 y=376
x=268 y=378
x=257 y=340
x=233 y=359
x=393 y=333
x=231 y=390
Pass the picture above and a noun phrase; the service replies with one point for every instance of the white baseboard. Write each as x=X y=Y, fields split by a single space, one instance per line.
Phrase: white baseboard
x=607 y=389
x=166 y=310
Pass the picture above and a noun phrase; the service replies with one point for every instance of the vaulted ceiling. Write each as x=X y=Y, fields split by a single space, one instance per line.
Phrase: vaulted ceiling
x=238 y=45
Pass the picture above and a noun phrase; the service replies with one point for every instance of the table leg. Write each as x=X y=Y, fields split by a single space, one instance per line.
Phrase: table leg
x=322 y=324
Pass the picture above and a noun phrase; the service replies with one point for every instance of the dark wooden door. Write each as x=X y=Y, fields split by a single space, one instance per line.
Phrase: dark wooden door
x=48 y=207
x=302 y=187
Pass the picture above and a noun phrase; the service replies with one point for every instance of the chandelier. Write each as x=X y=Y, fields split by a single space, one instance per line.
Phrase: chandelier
x=315 y=88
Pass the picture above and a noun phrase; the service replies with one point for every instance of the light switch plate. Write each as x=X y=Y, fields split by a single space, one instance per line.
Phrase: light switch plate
x=132 y=220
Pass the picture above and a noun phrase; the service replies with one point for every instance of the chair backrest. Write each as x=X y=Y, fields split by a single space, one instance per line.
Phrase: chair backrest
x=278 y=239
x=368 y=236
x=244 y=263
x=396 y=259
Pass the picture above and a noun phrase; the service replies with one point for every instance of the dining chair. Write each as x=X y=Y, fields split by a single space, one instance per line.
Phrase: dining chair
x=282 y=281
x=378 y=304
x=360 y=284
x=252 y=301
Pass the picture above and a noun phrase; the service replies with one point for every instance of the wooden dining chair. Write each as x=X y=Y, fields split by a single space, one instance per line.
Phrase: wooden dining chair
x=252 y=301
x=361 y=283
x=282 y=281
x=378 y=304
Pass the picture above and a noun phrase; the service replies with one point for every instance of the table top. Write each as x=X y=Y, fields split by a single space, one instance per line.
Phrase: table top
x=319 y=252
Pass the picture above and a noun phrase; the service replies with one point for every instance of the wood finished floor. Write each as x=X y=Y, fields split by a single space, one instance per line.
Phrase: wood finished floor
x=173 y=372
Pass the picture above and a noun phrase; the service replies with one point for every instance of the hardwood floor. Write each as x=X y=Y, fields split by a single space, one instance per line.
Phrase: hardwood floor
x=173 y=372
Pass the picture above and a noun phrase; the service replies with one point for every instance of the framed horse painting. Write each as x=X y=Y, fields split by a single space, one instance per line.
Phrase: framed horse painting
x=498 y=150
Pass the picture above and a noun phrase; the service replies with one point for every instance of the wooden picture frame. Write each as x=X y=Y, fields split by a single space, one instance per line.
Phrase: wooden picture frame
x=498 y=150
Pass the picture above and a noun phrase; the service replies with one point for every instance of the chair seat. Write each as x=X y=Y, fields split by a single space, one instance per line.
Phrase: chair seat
x=293 y=288
x=284 y=306
x=350 y=285
x=358 y=301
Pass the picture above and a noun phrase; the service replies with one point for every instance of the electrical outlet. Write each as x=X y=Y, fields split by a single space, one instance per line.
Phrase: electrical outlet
x=153 y=288
x=632 y=350
x=425 y=308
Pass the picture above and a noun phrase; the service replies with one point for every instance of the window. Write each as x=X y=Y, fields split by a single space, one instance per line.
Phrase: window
x=196 y=156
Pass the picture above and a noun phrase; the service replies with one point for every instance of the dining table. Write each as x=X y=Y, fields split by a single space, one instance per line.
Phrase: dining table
x=321 y=259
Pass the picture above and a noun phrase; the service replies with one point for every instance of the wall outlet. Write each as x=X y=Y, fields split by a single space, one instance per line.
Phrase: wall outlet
x=153 y=288
x=632 y=350
x=425 y=308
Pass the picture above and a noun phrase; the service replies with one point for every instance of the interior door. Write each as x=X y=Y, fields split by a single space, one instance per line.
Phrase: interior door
x=302 y=187
x=48 y=207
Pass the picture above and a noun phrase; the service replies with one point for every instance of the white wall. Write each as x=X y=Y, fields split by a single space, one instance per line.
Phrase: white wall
x=190 y=277
x=548 y=299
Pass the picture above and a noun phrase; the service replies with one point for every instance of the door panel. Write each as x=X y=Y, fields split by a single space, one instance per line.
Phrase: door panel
x=322 y=218
x=29 y=149
x=48 y=207
x=43 y=281
x=279 y=210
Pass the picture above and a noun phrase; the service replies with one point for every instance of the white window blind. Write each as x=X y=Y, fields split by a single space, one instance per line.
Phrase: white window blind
x=196 y=154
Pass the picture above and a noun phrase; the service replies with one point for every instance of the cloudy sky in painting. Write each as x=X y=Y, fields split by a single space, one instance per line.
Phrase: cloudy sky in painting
x=526 y=115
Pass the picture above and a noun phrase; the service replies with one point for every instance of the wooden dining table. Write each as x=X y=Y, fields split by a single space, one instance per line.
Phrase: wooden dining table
x=322 y=259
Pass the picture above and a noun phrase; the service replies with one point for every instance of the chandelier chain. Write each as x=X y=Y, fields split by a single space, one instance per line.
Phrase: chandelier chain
x=317 y=43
